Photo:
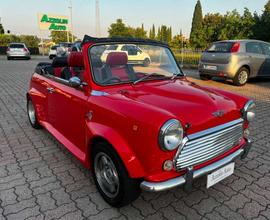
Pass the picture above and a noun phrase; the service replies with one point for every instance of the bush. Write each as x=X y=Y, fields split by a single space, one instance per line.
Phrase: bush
x=29 y=40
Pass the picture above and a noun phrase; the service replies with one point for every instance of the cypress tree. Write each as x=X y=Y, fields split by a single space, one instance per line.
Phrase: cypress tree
x=2 y=31
x=197 y=23
x=159 y=36
x=169 y=34
x=153 y=33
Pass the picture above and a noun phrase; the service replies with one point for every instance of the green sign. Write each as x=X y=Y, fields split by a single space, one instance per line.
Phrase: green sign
x=53 y=22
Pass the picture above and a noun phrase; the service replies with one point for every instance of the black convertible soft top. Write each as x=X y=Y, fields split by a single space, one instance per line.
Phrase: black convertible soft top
x=88 y=39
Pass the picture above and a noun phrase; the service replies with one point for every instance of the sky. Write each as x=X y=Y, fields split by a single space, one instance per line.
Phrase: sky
x=20 y=16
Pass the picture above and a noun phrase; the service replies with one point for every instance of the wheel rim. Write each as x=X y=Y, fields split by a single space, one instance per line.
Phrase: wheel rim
x=243 y=77
x=106 y=175
x=31 y=112
x=146 y=62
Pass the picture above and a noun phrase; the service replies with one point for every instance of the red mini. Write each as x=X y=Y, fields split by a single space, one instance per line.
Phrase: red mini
x=125 y=109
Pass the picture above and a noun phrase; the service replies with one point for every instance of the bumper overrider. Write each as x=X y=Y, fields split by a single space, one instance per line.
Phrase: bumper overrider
x=191 y=174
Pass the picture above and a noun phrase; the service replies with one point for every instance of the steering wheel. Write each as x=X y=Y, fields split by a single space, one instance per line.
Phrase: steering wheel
x=112 y=78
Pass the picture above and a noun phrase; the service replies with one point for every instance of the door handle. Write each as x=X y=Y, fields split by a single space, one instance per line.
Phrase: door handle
x=50 y=90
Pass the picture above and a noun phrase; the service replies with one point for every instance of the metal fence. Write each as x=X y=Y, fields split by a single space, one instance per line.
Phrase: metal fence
x=187 y=57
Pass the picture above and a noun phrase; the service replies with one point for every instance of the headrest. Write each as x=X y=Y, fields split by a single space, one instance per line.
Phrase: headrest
x=117 y=58
x=59 y=62
x=75 y=59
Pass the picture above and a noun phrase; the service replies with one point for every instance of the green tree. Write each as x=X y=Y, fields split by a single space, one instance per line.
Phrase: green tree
x=152 y=34
x=139 y=33
x=212 y=26
x=119 y=29
x=169 y=34
x=196 y=29
x=30 y=40
x=2 y=31
x=60 y=36
x=248 y=22
x=177 y=41
x=261 y=29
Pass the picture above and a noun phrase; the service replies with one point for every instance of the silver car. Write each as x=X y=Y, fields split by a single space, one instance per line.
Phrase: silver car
x=238 y=60
x=18 y=50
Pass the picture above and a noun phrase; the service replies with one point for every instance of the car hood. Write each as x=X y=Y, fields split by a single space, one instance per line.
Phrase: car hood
x=194 y=106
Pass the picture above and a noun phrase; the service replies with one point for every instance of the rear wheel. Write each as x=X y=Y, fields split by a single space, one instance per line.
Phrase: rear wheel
x=31 y=112
x=8 y=58
x=205 y=77
x=111 y=177
x=241 y=77
x=146 y=62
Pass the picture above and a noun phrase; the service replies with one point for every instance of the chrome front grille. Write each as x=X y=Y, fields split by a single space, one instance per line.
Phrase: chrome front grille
x=206 y=145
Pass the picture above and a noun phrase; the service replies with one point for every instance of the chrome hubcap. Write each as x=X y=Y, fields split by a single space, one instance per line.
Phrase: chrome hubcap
x=243 y=77
x=31 y=112
x=106 y=174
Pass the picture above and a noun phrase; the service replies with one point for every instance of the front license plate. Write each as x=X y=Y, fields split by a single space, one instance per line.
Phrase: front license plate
x=208 y=67
x=220 y=174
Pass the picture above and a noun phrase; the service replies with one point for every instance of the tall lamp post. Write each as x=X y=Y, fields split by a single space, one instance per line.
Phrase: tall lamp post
x=71 y=20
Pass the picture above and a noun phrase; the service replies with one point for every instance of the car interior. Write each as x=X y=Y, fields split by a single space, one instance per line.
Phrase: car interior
x=64 y=67
x=116 y=69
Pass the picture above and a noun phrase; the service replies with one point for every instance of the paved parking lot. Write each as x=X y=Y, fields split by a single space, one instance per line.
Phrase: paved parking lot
x=39 y=179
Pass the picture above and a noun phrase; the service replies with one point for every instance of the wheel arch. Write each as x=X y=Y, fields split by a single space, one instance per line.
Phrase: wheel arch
x=100 y=133
x=248 y=68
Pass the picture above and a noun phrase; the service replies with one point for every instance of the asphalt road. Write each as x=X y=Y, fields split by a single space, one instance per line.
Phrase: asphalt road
x=40 y=179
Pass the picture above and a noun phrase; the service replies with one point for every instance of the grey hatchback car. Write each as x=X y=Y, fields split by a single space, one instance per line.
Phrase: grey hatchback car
x=238 y=60
x=18 y=50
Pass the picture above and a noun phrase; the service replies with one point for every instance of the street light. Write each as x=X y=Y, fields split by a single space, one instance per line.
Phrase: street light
x=71 y=21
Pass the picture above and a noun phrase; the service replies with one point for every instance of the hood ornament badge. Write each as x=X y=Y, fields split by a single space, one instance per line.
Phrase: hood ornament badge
x=219 y=113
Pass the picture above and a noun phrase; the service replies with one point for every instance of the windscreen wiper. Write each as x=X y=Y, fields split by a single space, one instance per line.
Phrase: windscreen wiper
x=147 y=76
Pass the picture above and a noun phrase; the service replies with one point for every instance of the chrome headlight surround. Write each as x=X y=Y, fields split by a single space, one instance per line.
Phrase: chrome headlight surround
x=248 y=111
x=170 y=135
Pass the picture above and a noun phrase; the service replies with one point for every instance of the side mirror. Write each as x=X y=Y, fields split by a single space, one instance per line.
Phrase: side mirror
x=75 y=82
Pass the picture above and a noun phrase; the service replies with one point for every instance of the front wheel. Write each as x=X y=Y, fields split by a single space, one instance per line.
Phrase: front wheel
x=241 y=77
x=31 y=112
x=111 y=177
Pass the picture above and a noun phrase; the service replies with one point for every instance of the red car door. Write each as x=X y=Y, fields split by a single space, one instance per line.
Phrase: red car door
x=39 y=95
x=67 y=110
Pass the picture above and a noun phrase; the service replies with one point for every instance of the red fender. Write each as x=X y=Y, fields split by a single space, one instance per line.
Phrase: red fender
x=128 y=157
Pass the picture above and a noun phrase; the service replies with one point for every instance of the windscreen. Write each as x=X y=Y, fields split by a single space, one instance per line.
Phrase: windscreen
x=129 y=63
x=220 y=47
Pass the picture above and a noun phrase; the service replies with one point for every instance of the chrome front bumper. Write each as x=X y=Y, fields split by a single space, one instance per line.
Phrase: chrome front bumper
x=190 y=175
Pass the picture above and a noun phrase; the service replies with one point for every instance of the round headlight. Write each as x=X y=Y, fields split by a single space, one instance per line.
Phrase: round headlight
x=249 y=111
x=171 y=135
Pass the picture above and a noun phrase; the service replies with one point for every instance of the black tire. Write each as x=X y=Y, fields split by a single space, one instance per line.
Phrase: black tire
x=50 y=57
x=241 y=77
x=8 y=58
x=205 y=77
x=128 y=188
x=146 y=62
x=32 y=116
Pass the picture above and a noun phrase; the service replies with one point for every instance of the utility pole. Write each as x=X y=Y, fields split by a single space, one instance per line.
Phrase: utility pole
x=71 y=20
x=97 y=19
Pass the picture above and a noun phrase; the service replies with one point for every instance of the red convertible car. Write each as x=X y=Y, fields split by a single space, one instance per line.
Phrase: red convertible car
x=138 y=127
